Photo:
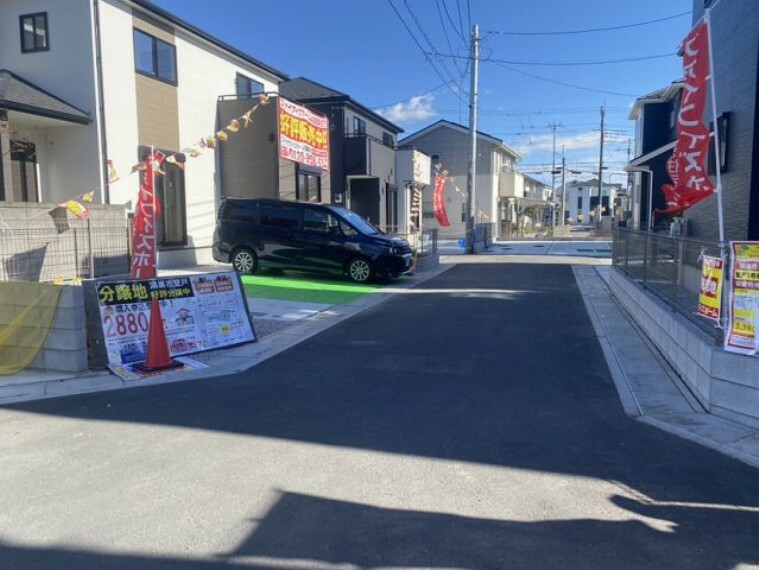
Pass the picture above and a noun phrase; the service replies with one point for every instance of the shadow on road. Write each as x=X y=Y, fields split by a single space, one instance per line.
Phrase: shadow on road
x=513 y=381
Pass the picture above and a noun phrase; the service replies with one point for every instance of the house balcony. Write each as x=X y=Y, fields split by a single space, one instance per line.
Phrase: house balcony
x=367 y=156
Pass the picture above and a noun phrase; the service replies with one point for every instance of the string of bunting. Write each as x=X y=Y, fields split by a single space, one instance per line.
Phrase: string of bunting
x=78 y=209
x=441 y=171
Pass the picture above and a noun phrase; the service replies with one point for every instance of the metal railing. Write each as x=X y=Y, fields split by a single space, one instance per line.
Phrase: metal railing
x=669 y=267
x=78 y=249
x=422 y=243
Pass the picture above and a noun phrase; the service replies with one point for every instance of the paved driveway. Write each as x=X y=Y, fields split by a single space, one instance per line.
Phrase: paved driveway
x=468 y=423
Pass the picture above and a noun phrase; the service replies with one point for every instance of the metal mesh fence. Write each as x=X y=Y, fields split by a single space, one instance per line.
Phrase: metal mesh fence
x=669 y=267
x=424 y=243
x=76 y=249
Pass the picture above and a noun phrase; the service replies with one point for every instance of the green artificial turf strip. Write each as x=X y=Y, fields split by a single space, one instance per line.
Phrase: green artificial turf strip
x=310 y=290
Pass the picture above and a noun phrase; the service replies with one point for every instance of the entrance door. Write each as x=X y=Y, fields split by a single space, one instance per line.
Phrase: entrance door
x=24 y=187
x=365 y=198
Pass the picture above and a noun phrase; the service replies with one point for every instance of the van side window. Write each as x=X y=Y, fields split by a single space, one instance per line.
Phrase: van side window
x=240 y=212
x=347 y=230
x=316 y=221
x=279 y=217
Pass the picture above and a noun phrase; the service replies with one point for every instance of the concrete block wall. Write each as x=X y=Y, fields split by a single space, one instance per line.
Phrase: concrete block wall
x=65 y=347
x=725 y=383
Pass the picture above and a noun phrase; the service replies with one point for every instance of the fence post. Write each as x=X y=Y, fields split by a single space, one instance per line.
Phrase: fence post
x=645 y=257
x=91 y=249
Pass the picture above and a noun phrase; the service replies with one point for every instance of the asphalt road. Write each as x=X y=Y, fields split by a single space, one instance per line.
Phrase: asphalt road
x=468 y=423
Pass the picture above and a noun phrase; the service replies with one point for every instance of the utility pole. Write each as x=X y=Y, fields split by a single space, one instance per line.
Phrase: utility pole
x=471 y=203
x=563 y=185
x=553 y=127
x=599 y=206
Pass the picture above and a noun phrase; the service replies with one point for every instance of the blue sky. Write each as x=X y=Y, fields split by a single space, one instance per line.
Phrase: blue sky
x=361 y=47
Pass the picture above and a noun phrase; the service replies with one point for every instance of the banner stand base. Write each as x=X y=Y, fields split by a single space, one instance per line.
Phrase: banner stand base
x=168 y=366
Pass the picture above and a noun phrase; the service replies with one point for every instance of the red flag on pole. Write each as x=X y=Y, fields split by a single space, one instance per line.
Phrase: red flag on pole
x=687 y=166
x=143 y=263
x=438 y=203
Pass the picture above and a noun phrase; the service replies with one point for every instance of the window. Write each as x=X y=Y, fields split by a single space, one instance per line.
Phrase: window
x=170 y=192
x=579 y=202
x=24 y=171
x=387 y=139
x=285 y=217
x=309 y=187
x=155 y=58
x=34 y=34
x=247 y=87
x=319 y=221
x=391 y=209
x=463 y=212
x=359 y=126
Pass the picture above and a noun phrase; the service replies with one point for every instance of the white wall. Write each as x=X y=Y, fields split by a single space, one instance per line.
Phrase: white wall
x=65 y=70
x=205 y=72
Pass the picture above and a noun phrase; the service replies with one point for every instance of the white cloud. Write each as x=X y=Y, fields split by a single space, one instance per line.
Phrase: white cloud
x=580 y=141
x=415 y=109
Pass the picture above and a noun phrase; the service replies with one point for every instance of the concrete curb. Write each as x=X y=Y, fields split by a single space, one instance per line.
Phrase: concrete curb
x=648 y=389
x=220 y=363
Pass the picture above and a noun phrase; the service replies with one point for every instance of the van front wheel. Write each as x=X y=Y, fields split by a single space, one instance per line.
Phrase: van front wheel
x=244 y=261
x=360 y=270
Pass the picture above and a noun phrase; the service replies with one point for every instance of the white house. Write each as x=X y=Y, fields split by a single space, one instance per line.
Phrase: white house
x=582 y=200
x=447 y=144
x=84 y=82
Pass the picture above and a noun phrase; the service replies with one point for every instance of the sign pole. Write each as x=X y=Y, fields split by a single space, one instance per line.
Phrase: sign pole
x=717 y=161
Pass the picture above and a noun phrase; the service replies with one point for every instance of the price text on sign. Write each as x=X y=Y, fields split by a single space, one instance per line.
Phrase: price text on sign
x=200 y=312
x=710 y=293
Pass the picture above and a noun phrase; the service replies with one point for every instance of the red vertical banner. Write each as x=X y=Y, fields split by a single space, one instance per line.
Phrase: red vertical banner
x=438 y=202
x=687 y=166
x=143 y=263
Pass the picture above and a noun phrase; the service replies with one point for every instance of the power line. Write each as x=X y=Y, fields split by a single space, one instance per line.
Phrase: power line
x=563 y=63
x=556 y=82
x=459 y=32
x=591 y=30
x=426 y=37
x=413 y=37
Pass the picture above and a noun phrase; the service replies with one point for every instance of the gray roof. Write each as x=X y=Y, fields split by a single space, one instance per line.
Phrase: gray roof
x=17 y=94
x=462 y=129
x=308 y=91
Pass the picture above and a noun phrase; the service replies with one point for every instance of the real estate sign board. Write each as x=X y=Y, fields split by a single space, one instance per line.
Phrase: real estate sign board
x=710 y=292
x=200 y=312
x=741 y=334
x=303 y=135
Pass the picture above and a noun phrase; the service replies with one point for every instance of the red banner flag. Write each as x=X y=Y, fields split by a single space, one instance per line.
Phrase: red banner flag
x=438 y=204
x=143 y=263
x=687 y=166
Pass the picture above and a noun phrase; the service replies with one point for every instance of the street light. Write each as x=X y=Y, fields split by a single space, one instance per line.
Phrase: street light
x=646 y=169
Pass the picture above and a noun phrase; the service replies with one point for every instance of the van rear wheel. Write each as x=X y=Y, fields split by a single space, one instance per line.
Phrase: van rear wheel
x=360 y=270
x=244 y=261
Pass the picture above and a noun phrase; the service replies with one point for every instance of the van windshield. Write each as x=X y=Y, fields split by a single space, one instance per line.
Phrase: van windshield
x=358 y=222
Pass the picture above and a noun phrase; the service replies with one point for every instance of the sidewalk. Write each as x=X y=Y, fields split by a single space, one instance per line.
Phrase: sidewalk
x=649 y=389
x=278 y=325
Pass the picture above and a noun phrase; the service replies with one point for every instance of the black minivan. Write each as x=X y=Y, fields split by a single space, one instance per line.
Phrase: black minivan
x=256 y=233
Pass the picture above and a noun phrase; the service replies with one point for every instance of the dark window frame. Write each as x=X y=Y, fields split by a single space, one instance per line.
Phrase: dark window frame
x=34 y=17
x=239 y=77
x=359 y=125
x=155 y=73
x=160 y=183
x=308 y=175
x=387 y=139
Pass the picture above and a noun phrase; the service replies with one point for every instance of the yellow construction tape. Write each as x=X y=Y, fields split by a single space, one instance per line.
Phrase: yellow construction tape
x=26 y=315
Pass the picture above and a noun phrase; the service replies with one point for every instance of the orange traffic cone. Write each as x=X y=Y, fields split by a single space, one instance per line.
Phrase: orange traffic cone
x=158 y=350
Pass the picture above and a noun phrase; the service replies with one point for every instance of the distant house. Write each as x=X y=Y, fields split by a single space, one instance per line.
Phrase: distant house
x=84 y=82
x=655 y=116
x=735 y=37
x=447 y=144
x=362 y=152
x=582 y=201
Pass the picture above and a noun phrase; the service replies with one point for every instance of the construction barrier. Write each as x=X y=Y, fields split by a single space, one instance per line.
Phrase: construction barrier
x=27 y=310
